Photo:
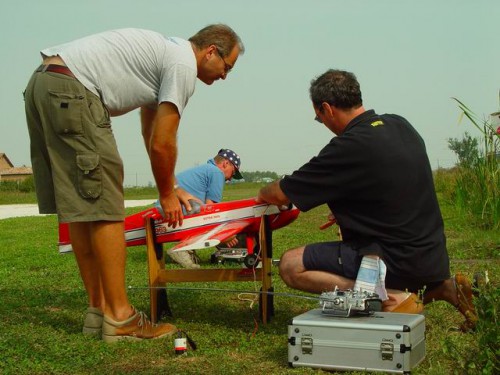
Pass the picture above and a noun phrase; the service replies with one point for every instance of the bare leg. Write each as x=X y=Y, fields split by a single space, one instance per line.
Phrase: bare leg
x=296 y=276
x=87 y=263
x=100 y=252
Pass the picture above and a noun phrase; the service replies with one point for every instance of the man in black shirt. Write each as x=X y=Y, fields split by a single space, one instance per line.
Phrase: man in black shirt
x=376 y=179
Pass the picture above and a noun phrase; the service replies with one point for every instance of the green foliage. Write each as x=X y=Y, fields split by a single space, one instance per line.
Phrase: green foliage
x=8 y=185
x=466 y=150
x=485 y=357
x=17 y=192
x=477 y=192
x=25 y=186
x=445 y=182
x=259 y=176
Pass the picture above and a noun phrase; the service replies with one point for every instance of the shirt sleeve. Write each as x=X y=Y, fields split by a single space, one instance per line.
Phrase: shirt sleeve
x=177 y=86
x=327 y=177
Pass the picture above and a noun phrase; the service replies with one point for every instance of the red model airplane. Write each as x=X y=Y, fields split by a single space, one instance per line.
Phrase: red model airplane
x=213 y=224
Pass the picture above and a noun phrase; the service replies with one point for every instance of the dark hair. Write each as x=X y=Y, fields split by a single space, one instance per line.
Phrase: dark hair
x=222 y=36
x=336 y=87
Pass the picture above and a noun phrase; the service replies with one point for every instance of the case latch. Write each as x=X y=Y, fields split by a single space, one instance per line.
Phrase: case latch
x=387 y=351
x=306 y=343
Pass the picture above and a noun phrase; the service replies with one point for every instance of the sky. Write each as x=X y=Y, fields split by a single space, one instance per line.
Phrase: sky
x=410 y=57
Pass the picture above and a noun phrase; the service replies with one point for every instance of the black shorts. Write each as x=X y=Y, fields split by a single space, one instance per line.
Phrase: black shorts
x=340 y=259
x=335 y=257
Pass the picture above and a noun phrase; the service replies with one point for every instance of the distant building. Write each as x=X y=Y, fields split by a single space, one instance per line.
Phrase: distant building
x=10 y=173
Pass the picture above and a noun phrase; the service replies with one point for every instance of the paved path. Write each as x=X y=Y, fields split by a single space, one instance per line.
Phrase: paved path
x=18 y=210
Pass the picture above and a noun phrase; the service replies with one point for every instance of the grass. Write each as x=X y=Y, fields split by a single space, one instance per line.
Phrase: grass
x=43 y=301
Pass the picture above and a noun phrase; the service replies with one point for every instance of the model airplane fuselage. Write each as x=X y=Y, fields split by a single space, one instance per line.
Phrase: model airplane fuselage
x=213 y=224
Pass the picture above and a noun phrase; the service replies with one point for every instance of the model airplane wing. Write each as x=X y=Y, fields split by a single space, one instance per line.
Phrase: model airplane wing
x=211 y=238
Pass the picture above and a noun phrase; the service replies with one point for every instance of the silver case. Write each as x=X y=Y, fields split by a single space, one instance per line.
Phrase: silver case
x=388 y=342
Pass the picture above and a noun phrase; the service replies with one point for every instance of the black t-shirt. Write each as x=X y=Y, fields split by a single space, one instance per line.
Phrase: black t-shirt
x=377 y=181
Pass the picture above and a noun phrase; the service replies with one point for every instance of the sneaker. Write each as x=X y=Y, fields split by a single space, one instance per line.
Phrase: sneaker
x=137 y=327
x=92 y=325
x=183 y=258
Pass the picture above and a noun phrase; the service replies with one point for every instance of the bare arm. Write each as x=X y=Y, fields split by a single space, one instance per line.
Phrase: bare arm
x=147 y=118
x=159 y=130
x=273 y=194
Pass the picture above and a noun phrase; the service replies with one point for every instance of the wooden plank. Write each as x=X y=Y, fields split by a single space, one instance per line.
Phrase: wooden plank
x=203 y=274
x=153 y=269
x=158 y=275
x=266 y=271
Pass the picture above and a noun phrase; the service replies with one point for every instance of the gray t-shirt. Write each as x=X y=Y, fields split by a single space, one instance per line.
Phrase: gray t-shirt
x=130 y=68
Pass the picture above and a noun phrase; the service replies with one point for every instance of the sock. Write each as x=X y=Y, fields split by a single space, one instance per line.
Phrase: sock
x=371 y=277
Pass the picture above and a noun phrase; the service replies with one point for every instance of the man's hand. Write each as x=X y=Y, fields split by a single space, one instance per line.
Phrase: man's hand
x=272 y=194
x=185 y=197
x=172 y=209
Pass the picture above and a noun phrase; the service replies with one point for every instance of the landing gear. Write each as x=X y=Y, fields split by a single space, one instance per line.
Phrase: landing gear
x=251 y=261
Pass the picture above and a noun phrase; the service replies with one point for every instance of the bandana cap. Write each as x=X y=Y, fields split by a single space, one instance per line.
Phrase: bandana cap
x=234 y=159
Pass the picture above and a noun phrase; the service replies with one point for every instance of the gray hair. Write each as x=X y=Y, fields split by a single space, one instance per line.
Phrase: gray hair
x=222 y=36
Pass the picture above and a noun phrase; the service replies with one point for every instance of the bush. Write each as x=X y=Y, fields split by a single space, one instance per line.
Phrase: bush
x=25 y=186
x=485 y=357
x=8 y=186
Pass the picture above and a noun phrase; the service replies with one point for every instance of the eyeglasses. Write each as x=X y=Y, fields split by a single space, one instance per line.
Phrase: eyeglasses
x=227 y=67
x=316 y=118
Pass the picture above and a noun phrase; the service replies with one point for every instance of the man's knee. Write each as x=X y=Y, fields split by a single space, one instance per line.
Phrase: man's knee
x=291 y=265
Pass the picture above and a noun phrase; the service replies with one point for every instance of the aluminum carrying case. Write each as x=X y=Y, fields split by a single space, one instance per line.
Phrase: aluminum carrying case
x=387 y=342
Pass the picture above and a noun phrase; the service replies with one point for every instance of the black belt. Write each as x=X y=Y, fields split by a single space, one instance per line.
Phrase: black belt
x=61 y=69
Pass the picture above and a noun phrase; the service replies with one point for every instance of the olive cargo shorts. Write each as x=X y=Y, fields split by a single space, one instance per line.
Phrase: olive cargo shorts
x=76 y=165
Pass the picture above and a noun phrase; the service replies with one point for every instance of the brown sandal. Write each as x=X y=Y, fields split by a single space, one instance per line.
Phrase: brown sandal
x=465 y=304
x=411 y=305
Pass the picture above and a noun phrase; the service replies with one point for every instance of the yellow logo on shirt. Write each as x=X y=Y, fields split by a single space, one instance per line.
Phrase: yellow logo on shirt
x=377 y=123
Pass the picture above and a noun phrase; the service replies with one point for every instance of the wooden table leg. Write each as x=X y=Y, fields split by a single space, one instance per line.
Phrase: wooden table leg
x=154 y=266
x=266 y=305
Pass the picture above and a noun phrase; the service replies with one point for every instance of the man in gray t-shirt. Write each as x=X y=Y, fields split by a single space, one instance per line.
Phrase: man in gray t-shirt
x=77 y=168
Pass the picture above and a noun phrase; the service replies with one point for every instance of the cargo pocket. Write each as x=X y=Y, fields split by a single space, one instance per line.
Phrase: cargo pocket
x=98 y=111
x=89 y=175
x=66 y=112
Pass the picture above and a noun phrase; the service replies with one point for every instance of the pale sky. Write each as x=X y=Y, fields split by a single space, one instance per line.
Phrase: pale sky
x=410 y=58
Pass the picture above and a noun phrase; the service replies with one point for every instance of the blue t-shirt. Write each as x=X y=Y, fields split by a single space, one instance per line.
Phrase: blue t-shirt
x=204 y=181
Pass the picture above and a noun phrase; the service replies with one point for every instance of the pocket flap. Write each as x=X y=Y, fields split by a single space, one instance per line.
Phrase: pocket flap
x=87 y=162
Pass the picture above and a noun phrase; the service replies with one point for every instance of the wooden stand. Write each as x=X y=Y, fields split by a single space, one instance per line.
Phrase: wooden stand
x=159 y=276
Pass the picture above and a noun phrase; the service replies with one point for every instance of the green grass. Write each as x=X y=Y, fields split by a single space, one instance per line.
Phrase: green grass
x=43 y=301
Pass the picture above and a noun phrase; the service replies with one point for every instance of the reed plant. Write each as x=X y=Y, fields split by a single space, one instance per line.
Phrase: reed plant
x=477 y=183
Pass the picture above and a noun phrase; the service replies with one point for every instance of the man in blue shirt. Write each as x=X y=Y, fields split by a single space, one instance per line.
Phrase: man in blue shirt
x=206 y=182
